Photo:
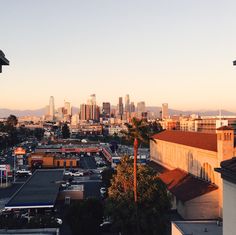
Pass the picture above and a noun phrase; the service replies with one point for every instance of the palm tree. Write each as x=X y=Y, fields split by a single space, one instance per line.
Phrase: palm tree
x=137 y=132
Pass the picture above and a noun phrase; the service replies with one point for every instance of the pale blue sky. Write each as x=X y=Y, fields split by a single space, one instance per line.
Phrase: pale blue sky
x=175 y=51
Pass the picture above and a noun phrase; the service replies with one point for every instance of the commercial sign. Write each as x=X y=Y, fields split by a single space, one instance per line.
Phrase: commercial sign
x=19 y=151
x=3 y=167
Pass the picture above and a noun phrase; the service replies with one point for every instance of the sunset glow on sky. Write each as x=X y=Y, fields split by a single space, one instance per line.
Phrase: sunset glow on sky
x=157 y=51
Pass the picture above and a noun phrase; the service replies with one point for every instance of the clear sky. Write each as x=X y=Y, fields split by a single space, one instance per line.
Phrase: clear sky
x=175 y=51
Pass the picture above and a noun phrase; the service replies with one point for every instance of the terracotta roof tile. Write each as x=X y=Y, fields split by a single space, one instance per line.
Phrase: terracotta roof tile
x=225 y=128
x=206 y=141
x=184 y=185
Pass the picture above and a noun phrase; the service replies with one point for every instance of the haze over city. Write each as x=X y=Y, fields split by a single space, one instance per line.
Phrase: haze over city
x=156 y=51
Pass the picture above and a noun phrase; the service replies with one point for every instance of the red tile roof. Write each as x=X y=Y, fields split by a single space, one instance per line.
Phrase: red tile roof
x=227 y=128
x=184 y=185
x=193 y=139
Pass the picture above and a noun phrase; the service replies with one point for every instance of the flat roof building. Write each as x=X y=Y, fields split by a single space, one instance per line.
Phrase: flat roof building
x=196 y=228
x=39 y=191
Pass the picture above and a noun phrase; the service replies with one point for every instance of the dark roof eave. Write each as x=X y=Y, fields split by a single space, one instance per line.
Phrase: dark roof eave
x=227 y=175
x=4 y=61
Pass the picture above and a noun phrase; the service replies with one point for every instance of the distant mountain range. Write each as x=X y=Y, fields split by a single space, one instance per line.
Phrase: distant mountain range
x=154 y=109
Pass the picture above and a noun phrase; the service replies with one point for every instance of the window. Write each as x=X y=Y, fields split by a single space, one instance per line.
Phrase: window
x=67 y=200
x=207 y=173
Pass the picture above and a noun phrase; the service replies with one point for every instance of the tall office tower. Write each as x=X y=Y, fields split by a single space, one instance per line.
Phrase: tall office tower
x=83 y=112
x=165 y=113
x=60 y=113
x=51 y=107
x=132 y=107
x=127 y=104
x=120 y=106
x=106 y=109
x=94 y=112
x=141 y=107
x=89 y=112
x=67 y=108
x=92 y=100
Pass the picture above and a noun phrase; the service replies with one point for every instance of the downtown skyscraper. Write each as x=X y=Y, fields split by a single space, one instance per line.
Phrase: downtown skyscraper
x=51 y=108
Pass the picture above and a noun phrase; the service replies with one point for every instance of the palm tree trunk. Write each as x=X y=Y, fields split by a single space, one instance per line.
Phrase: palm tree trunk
x=135 y=168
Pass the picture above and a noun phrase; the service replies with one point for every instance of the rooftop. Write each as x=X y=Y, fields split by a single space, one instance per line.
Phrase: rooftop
x=225 y=128
x=205 y=141
x=3 y=60
x=198 y=227
x=228 y=170
x=184 y=185
x=39 y=191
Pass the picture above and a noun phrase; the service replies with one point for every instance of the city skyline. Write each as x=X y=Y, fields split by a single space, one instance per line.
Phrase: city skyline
x=180 y=53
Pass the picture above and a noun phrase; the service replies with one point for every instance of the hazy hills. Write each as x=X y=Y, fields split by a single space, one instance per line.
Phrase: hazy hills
x=155 y=109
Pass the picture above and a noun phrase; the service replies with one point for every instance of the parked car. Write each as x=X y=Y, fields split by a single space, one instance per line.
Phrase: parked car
x=103 y=192
x=59 y=221
x=78 y=173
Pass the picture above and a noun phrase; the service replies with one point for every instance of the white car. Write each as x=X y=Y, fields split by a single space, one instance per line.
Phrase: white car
x=59 y=221
x=67 y=173
x=103 y=190
x=78 y=173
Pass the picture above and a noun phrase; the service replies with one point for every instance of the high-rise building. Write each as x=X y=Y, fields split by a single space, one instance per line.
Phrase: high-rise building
x=132 y=107
x=92 y=100
x=127 y=104
x=165 y=113
x=83 y=112
x=67 y=109
x=106 y=109
x=120 y=106
x=89 y=112
x=51 y=107
x=141 y=107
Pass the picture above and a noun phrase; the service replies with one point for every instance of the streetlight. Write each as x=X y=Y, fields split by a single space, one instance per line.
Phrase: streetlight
x=3 y=60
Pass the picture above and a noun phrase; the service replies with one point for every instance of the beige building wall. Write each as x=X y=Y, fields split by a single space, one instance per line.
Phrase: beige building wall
x=190 y=159
x=203 y=207
x=199 y=162
x=229 y=212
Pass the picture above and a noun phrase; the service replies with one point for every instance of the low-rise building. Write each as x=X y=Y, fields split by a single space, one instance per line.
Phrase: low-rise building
x=197 y=154
x=196 y=228
x=44 y=160
x=228 y=174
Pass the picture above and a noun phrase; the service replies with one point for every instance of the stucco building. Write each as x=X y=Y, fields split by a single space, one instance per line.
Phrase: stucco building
x=228 y=174
x=189 y=159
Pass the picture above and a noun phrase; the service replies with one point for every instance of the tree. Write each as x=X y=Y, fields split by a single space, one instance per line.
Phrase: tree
x=107 y=176
x=38 y=133
x=85 y=216
x=12 y=120
x=137 y=132
x=65 y=131
x=154 y=202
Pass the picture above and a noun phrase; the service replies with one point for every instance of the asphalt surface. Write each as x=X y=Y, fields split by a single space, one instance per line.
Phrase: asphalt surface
x=91 y=183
